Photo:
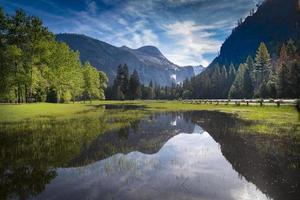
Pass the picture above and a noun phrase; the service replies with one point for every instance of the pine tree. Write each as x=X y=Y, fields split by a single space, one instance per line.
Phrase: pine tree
x=291 y=49
x=242 y=85
x=282 y=71
x=231 y=77
x=135 y=86
x=251 y=66
x=271 y=85
x=262 y=67
x=224 y=79
x=151 y=90
x=288 y=71
x=125 y=81
x=293 y=65
x=121 y=83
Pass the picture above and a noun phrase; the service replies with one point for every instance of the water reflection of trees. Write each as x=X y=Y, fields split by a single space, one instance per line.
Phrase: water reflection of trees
x=147 y=135
x=271 y=162
x=30 y=152
x=24 y=181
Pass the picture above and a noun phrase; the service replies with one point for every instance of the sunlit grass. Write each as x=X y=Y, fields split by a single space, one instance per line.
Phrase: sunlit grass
x=59 y=138
x=269 y=119
x=14 y=112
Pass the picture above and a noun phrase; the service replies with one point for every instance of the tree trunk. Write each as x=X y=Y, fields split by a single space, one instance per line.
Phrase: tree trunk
x=26 y=97
x=19 y=93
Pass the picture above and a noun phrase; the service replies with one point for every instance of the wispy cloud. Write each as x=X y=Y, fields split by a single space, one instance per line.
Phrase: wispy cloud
x=186 y=31
x=193 y=40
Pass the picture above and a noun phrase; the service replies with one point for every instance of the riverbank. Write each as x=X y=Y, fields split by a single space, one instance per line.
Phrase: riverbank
x=265 y=117
x=268 y=119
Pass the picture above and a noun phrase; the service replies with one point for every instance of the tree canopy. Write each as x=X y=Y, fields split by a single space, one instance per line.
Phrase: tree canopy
x=35 y=67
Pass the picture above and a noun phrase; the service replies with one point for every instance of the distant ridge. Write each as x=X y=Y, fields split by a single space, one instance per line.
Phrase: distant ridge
x=150 y=63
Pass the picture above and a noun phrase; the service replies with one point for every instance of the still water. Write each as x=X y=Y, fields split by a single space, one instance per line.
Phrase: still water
x=177 y=155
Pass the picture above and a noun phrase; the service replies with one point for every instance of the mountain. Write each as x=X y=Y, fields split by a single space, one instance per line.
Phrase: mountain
x=274 y=22
x=150 y=63
x=197 y=69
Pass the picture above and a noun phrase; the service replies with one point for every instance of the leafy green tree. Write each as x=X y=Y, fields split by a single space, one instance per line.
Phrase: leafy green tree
x=91 y=82
x=16 y=37
x=103 y=80
x=35 y=49
x=3 y=29
x=35 y=67
x=63 y=64
x=11 y=74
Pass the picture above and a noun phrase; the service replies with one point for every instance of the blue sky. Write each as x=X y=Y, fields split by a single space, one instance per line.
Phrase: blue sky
x=188 y=32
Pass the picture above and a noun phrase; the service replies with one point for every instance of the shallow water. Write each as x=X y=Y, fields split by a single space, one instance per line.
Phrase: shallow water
x=177 y=155
x=188 y=166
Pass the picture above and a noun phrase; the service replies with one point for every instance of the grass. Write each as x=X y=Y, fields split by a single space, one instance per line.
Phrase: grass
x=269 y=114
x=57 y=133
x=266 y=117
x=12 y=112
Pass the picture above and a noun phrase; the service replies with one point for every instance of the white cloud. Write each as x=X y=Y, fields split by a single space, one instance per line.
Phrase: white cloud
x=122 y=21
x=185 y=59
x=135 y=35
x=192 y=41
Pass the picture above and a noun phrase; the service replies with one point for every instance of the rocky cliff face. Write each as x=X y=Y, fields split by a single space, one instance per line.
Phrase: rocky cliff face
x=150 y=63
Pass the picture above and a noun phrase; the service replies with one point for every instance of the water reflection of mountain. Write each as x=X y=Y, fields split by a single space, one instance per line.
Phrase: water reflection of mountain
x=147 y=136
x=188 y=166
x=272 y=163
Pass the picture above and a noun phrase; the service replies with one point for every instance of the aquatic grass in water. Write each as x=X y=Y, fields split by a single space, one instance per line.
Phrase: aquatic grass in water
x=266 y=117
x=87 y=133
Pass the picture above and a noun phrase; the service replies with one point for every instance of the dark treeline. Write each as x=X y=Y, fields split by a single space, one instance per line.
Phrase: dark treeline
x=260 y=77
x=37 y=68
x=129 y=87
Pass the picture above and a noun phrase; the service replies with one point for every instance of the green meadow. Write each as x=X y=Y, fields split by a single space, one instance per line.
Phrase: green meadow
x=266 y=119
